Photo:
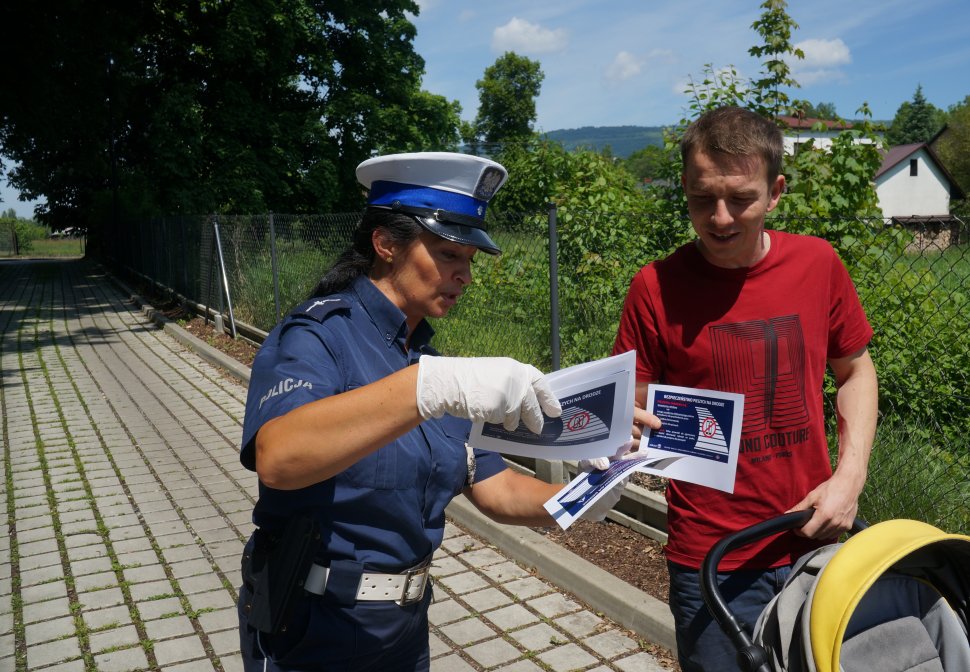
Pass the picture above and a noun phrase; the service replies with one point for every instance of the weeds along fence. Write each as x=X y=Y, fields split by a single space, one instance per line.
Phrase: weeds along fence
x=8 y=240
x=553 y=298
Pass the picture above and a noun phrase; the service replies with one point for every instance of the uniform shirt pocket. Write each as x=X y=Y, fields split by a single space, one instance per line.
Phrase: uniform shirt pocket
x=395 y=466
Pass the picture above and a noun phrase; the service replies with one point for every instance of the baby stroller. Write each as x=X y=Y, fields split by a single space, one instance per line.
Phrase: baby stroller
x=895 y=597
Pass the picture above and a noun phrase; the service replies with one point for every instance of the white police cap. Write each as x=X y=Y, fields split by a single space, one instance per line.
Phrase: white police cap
x=446 y=192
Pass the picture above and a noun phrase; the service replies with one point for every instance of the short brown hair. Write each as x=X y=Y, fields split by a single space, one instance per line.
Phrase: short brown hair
x=738 y=132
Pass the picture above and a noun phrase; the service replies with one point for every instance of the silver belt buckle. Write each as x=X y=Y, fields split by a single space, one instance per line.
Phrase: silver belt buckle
x=415 y=582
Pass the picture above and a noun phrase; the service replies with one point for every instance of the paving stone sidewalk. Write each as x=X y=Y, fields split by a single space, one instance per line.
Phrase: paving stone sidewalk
x=127 y=508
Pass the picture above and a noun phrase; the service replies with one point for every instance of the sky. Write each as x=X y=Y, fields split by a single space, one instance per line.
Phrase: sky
x=627 y=62
x=9 y=196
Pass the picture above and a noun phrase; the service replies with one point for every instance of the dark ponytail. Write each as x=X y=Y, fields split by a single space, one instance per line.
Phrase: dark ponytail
x=357 y=259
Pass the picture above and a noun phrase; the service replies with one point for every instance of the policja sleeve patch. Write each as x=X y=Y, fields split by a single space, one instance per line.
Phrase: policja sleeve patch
x=318 y=308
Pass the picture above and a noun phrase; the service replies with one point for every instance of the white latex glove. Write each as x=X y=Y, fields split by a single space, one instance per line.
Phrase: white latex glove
x=605 y=504
x=603 y=463
x=485 y=389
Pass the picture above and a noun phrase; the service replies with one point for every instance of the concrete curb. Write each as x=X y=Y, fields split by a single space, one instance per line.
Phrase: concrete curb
x=237 y=370
x=617 y=600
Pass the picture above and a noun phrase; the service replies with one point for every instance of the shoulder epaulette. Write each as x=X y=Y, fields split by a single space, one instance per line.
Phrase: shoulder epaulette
x=319 y=308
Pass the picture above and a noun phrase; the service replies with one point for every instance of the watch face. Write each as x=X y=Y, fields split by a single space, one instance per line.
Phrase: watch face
x=488 y=183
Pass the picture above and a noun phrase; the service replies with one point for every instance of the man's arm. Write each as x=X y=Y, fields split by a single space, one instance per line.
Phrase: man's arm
x=836 y=501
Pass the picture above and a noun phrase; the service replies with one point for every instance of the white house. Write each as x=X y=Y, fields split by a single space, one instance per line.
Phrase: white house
x=911 y=182
x=799 y=130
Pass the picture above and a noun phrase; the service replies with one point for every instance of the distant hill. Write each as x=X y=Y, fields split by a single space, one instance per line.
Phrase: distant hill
x=622 y=140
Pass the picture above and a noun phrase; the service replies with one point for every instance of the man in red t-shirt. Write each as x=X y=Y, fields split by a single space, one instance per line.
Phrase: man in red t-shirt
x=761 y=313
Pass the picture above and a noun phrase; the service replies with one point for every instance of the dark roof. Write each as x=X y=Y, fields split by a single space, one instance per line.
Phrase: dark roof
x=808 y=122
x=896 y=155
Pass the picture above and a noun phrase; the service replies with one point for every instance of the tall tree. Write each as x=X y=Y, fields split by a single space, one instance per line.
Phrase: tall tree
x=429 y=123
x=775 y=27
x=821 y=183
x=953 y=146
x=819 y=111
x=507 y=99
x=645 y=163
x=191 y=107
x=915 y=121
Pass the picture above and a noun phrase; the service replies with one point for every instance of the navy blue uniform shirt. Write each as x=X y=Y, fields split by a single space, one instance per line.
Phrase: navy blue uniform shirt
x=387 y=510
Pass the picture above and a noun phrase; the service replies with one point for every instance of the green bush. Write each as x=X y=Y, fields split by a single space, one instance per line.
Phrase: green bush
x=26 y=231
x=921 y=348
x=909 y=478
x=505 y=311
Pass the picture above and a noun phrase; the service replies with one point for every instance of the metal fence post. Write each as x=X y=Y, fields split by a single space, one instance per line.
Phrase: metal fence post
x=208 y=279
x=184 y=289
x=553 y=471
x=225 y=278
x=554 y=288
x=276 y=275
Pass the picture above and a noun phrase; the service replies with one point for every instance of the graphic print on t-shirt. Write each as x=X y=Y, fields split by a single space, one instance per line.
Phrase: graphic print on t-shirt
x=765 y=361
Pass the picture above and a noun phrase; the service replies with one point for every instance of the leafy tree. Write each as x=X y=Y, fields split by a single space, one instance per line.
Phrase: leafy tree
x=832 y=183
x=818 y=111
x=953 y=146
x=506 y=95
x=775 y=27
x=185 y=107
x=821 y=183
x=645 y=163
x=538 y=172
x=608 y=229
x=915 y=121
x=430 y=123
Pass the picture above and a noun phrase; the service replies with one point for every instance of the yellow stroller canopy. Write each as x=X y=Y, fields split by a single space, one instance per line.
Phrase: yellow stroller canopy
x=904 y=560
x=895 y=597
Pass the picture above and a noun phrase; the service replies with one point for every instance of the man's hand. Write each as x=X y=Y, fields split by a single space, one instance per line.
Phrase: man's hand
x=641 y=420
x=836 y=502
x=605 y=504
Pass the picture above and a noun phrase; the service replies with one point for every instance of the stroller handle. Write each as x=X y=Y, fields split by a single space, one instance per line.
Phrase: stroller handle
x=750 y=656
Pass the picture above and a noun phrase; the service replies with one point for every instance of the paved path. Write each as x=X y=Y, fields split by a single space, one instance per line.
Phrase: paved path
x=127 y=508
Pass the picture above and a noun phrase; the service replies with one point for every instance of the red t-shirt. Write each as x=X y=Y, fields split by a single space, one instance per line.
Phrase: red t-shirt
x=767 y=332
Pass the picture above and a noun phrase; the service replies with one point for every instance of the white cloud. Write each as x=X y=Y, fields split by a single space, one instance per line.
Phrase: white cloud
x=627 y=65
x=823 y=75
x=623 y=67
x=821 y=54
x=523 y=37
x=822 y=62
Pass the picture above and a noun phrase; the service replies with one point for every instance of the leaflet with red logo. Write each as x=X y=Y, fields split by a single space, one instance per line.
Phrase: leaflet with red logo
x=698 y=442
x=700 y=435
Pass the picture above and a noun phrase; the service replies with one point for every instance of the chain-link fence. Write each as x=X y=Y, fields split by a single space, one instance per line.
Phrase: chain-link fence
x=548 y=300
x=8 y=240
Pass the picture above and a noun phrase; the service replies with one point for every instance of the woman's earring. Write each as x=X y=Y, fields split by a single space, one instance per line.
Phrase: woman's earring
x=389 y=260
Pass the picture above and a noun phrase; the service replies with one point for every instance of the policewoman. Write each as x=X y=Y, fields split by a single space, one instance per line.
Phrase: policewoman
x=357 y=430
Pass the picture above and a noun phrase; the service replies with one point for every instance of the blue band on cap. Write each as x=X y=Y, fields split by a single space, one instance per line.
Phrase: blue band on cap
x=386 y=193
